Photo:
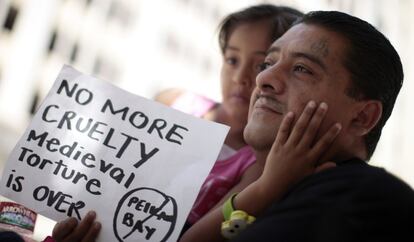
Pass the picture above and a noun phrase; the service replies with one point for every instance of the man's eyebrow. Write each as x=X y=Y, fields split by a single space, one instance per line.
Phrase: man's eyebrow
x=272 y=49
x=310 y=57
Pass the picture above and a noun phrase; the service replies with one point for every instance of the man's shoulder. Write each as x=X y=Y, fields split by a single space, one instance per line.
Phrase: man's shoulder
x=354 y=178
x=352 y=202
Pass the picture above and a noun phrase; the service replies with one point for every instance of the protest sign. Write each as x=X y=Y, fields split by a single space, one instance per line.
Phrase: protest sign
x=92 y=146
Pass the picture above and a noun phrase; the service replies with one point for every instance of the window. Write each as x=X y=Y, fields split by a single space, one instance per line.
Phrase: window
x=34 y=103
x=74 y=53
x=52 y=41
x=11 y=18
x=105 y=69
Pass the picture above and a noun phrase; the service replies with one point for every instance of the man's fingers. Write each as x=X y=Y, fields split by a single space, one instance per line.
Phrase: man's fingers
x=83 y=228
x=64 y=228
x=70 y=230
x=92 y=233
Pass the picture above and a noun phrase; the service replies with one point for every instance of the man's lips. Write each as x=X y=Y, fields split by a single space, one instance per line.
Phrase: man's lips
x=268 y=103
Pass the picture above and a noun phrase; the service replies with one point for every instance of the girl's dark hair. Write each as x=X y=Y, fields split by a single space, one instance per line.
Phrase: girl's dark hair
x=280 y=17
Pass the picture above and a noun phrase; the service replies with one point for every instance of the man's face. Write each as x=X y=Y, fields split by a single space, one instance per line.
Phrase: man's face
x=305 y=64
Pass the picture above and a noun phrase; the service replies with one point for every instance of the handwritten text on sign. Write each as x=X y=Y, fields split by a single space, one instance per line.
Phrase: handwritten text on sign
x=93 y=146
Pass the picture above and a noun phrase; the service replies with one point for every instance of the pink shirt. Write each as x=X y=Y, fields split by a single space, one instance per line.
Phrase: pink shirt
x=228 y=169
x=224 y=176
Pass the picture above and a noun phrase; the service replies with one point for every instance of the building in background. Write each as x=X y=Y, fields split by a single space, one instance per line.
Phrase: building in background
x=146 y=46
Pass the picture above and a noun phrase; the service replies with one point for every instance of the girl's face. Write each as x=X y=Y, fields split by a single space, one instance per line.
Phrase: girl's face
x=245 y=52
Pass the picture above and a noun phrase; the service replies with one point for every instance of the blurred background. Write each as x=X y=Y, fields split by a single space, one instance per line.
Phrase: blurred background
x=146 y=46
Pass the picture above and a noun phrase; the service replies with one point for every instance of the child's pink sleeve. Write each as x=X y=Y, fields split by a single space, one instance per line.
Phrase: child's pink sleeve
x=49 y=239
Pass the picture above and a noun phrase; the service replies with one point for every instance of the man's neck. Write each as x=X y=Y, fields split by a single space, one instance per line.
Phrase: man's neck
x=338 y=153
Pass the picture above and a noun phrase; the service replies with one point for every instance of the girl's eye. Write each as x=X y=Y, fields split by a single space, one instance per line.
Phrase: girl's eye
x=231 y=61
x=301 y=69
x=258 y=67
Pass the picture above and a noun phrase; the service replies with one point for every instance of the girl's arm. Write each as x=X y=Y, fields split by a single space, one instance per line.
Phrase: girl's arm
x=249 y=176
x=292 y=157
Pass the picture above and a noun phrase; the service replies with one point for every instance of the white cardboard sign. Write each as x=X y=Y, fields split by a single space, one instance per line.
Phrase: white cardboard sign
x=93 y=146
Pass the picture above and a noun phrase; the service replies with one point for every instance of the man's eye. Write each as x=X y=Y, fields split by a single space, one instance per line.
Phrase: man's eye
x=301 y=69
x=264 y=66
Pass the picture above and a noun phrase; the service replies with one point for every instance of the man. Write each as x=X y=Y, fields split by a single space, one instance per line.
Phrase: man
x=342 y=62
x=316 y=185
x=345 y=62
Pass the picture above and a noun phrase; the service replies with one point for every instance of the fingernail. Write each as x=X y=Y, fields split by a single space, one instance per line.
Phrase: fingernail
x=97 y=225
x=289 y=115
x=323 y=105
x=91 y=214
x=338 y=127
x=312 y=104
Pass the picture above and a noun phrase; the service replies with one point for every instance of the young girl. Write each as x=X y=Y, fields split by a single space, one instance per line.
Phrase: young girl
x=244 y=37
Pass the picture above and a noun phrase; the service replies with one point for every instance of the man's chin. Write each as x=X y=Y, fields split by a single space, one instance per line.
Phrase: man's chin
x=258 y=136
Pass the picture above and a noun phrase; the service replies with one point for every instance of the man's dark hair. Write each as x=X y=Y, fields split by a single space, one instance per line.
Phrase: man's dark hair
x=375 y=66
x=281 y=19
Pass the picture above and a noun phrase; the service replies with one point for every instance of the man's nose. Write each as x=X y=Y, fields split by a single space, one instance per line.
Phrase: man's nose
x=271 y=79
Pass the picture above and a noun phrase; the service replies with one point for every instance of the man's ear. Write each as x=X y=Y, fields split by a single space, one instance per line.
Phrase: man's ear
x=367 y=116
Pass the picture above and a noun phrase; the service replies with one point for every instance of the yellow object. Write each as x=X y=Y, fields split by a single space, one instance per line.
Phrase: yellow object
x=238 y=221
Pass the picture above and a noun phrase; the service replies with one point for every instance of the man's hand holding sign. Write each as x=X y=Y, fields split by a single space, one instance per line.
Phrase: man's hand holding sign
x=93 y=146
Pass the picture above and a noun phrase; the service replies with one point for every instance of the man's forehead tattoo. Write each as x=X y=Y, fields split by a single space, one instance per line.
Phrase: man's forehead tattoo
x=320 y=47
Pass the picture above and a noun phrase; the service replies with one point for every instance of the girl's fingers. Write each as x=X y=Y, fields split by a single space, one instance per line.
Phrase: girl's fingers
x=300 y=127
x=325 y=141
x=313 y=126
x=284 y=129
